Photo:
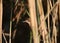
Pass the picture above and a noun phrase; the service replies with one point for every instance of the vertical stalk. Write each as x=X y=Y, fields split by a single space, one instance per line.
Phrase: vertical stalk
x=10 y=23
x=10 y=32
x=48 y=9
x=54 y=18
x=1 y=11
x=34 y=26
x=43 y=24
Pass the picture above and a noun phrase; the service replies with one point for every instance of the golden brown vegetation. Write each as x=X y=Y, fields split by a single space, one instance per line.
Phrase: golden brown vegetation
x=1 y=21
x=44 y=30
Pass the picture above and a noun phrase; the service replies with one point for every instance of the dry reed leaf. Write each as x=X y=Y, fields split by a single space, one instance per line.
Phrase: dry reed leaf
x=18 y=15
x=51 y=10
x=4 y=38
